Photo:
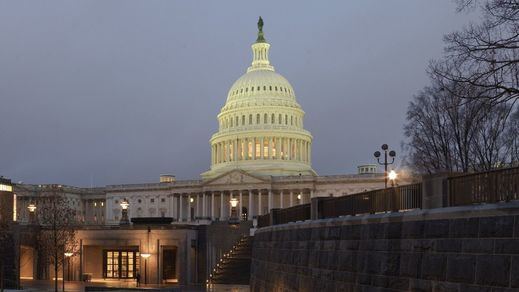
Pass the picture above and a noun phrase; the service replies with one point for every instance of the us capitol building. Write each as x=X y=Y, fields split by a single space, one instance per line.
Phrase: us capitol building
x=261 y=155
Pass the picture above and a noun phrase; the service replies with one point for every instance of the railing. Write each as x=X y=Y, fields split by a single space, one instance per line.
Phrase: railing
x=485 y=187
x=391 y=199
x=264 y=220
x=292 y=214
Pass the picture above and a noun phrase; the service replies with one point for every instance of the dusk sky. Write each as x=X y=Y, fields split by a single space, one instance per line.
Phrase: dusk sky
x=110 y=92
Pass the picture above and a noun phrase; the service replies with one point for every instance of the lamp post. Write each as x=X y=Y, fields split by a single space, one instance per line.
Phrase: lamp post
x=32 y=210
x=234 y=217
x=392 y=154
x=145 y=256
x=67 y=256
x=124 y=214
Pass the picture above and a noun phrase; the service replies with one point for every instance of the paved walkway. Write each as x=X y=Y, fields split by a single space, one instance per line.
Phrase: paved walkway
x=76 y=286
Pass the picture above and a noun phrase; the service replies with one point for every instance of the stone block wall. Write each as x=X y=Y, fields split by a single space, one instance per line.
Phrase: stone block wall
x=450 y=249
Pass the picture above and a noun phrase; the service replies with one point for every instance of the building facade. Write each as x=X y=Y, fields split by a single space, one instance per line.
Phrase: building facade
x=261 y=156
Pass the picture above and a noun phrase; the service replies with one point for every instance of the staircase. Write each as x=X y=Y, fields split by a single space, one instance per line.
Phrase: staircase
x=234 y=266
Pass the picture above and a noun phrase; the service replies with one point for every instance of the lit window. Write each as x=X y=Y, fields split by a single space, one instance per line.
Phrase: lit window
x=102 y=204
x=95 y=204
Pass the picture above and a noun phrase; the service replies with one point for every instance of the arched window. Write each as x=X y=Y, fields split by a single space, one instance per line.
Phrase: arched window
x=252 y=88
x=250 y=119
x=264 y=87
x=259 y=88
x=276 y=88
x=270 y=87
x=291 y=120
x=286 y=119
x=241 y=90
x=273 y=119
x=265 y=119
x=257 y=118
x=243 y=120
x=280 y=119
x=246 y=89
x=236 y=121
x=231 y=122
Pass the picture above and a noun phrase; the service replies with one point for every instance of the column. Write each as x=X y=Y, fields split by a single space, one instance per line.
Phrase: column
x=251 y=198
x=229 y=203
x=262 y=148
x=289 y=150
x=188 y=207
x=270 y=200
x=241 y=205
x=197 y=210
x=281 y=199
x=259 y=202
x=253 y=148
x=277 y=142
x=301 y=201
x=311 y=194
x=235 y=150
x=269 y=154
x=309 y=152
x=221 y=206
x=246 y=150
x=212 y=207
x=180 y=207
x=204 y=205
x=291 y=199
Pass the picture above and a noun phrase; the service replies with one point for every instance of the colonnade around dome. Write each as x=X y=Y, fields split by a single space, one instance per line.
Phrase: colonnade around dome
x=261 y=148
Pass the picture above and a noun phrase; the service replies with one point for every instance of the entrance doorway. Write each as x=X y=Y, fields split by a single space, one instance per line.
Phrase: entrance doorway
x=120 y=264
x=169 y=264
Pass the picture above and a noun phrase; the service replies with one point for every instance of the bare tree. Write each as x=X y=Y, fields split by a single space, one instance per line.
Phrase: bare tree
x=447 y=133
x=484 y=55
x=57 y=235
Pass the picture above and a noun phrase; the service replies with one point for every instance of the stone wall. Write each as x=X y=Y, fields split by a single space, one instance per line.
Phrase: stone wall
x=449 y=249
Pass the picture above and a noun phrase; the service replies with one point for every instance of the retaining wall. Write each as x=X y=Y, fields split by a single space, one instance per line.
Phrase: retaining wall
x=449 y=249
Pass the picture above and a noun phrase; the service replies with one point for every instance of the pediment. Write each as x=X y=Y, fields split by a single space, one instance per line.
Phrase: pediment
x=236 y=177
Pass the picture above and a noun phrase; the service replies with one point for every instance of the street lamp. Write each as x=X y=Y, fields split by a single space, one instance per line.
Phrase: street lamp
x=67 y=256
x=392 y=154
x=124 y=217
x=392 y=177
x=32 y=210
x=234 y=217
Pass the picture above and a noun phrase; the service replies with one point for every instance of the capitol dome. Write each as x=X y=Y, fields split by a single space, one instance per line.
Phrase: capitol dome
x=261 y=124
